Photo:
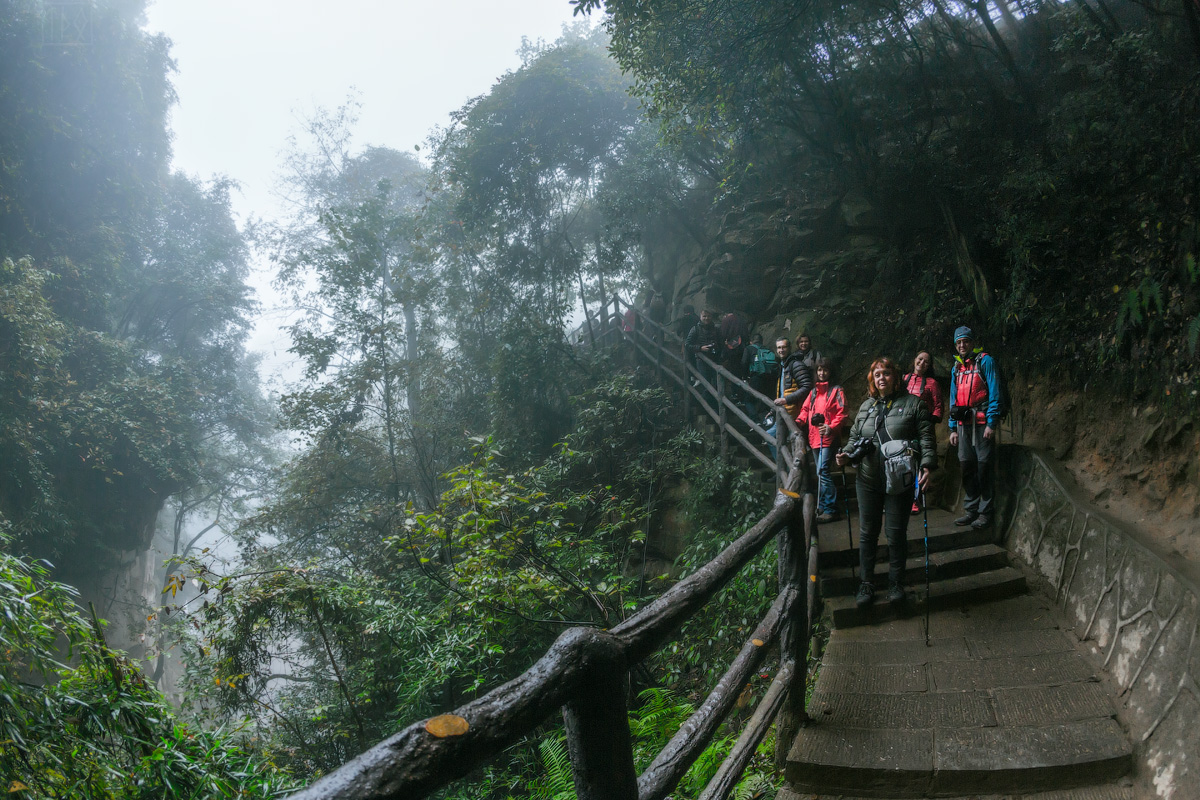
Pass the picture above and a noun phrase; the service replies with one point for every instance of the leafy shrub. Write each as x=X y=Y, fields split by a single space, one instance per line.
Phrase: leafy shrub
x=84 y=722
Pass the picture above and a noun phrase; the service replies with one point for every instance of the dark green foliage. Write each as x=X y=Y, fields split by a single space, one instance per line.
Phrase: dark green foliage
x=92 y=726
x=121 y=343
x=1008 y=164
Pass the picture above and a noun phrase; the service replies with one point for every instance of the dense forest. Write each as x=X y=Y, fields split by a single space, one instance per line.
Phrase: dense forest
x=455 y=475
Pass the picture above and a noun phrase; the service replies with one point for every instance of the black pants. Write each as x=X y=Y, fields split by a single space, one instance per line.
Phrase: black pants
x=978 y=479
x=875 y=507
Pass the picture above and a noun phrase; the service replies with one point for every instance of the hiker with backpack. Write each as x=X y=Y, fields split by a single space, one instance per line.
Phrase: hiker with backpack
x=824 y=412
x=794 y=383
x=761 y=368
x=924 y=384
x=892 y=443
x=976 y=406
x=704 y=338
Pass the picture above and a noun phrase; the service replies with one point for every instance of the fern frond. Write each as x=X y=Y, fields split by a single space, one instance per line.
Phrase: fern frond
x=559 y=783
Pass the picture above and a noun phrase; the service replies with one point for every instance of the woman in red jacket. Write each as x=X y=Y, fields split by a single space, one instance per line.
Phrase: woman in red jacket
x=824 y=412
x=924 y=384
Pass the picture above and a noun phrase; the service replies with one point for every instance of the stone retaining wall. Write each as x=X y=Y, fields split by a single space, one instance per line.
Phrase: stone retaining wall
x=1138 y=606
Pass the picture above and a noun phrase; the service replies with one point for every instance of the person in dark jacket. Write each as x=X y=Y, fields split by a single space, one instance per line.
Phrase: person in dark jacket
x=684 y=323
x=974 y=419
x=734 y=336
x=888 y=414
x=704 y=337
x=794 y=384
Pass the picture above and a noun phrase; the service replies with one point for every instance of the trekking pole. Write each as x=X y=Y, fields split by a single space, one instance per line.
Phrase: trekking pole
x=925 y=510
x=846 y=502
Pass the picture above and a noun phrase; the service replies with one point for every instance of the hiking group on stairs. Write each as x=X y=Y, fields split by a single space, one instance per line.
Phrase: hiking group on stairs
x=891 y=440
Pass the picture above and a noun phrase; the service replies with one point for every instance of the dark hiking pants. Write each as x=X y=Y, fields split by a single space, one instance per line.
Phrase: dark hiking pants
x=878 y=509
x=978 y=475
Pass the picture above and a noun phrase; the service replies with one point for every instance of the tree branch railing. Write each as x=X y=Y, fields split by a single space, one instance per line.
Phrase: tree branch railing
x=585 y=673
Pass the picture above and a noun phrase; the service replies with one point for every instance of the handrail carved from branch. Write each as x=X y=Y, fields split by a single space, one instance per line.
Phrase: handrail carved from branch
x=584 y=663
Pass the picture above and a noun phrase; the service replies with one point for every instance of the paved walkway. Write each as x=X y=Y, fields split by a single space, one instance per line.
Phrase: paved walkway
x=1001 y=701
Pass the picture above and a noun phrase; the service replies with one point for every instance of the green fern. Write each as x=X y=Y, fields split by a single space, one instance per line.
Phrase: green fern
x=559 y=782
x=1194 y=335
x=753 y=786
x=658 y=716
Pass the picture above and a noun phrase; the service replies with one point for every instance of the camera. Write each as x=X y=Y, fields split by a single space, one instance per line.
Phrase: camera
x=817 y=419
x=858 y=449
x=962 y=414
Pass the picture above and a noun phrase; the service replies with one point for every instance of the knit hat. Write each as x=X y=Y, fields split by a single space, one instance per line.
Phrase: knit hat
x=963 y=332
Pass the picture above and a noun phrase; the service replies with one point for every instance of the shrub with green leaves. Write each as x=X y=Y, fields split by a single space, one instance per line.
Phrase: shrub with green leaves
x=79 y=720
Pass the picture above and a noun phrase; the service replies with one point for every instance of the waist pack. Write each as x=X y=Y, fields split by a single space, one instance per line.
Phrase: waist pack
x=899 y=465
x=898 y=457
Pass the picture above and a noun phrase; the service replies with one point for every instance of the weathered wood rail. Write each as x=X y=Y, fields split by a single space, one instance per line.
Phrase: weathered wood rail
x=585 y=673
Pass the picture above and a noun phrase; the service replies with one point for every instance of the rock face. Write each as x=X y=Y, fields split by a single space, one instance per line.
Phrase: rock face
x=787 y=266
x=1138 y=606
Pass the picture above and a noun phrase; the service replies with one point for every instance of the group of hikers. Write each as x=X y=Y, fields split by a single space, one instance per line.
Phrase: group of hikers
x=891 y=439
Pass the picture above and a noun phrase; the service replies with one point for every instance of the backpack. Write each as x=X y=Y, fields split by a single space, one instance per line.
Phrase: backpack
x=765 y=362
x=1005 y=399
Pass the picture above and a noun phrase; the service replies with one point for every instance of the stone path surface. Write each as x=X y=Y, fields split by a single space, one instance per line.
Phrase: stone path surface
x=1002 y=703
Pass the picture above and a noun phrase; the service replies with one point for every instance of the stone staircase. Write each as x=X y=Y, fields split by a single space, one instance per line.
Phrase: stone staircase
x=1001 y=702
x=965 y=566
x=997 y=702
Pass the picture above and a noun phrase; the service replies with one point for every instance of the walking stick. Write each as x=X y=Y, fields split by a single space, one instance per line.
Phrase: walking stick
x=925 y=510
x=846 y=502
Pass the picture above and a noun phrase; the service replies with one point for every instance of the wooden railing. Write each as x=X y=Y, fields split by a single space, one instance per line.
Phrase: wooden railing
x=585 y=673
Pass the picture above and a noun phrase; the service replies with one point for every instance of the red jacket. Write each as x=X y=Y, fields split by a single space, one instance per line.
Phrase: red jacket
x=827 y=400
x=928 y=390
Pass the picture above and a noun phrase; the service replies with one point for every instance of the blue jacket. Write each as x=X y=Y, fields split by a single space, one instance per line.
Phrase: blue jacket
x=989 y=406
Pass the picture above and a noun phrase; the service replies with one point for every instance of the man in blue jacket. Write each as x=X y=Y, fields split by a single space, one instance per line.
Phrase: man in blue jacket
x=974 y=419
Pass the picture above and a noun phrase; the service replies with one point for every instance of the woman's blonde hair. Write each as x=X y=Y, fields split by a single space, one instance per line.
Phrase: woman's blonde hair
x=887 y=364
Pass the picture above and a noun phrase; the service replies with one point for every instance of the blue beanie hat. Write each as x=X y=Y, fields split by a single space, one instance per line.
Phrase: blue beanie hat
x=963 y=332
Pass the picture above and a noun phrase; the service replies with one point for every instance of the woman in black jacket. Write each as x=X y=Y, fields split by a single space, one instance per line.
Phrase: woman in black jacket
x=889 y=414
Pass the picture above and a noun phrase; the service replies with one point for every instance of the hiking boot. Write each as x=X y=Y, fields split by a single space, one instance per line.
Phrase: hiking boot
x=897 y=595
x=824 y=517
x=865 y=596
x=966 y=519
x=980 y=523
x=916 y=509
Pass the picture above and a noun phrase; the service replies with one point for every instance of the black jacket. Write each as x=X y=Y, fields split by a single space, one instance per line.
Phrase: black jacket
x=701 y=335
x=795 y=368
x=905 y=416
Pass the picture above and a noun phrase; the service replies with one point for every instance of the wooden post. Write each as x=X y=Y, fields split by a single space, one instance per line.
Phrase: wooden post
x=605 y=321
x=793 y=638
x=724 y=415
x=597 y=725
x=814 y=552
x=658 y=347
x=781 y=441
x=587 y=314
x=687 y=391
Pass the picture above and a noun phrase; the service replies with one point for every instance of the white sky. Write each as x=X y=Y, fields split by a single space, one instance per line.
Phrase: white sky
x=248 y=69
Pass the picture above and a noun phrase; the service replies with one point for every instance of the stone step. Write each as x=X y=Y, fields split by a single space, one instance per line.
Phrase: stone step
x=948 y=593
x=932 y=762
x=941 y=539
x=1116 y=790
x=942 y=565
